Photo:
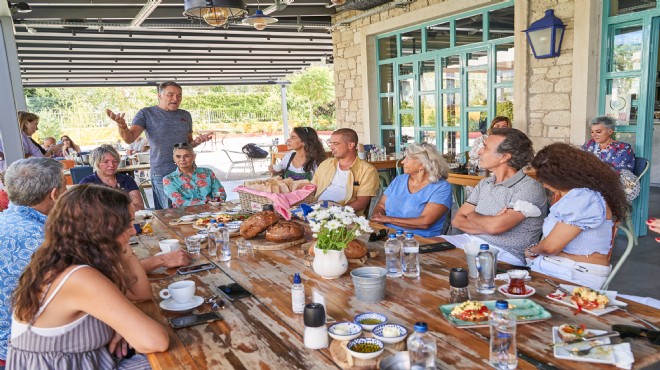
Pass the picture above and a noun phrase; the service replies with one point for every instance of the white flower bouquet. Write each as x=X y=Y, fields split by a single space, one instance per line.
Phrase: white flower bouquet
x=335 y=227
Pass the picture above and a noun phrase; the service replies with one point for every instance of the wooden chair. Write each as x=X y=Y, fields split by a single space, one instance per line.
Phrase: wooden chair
x=624 y=256
x=641 y=168
x=282 y=148
x=244 y=161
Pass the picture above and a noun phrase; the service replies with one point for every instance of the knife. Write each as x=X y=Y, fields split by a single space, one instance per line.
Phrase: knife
x=609 y=334
x=556 y=286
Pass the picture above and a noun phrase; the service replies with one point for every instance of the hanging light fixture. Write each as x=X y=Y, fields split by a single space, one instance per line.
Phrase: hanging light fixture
x=545 y=36
x=215 y=12
x=259 y=20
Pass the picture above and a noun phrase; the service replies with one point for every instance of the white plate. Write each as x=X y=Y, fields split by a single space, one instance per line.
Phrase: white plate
x=599 y=312
x=503 y=289
x=171 y=305
x=203 y=214
x=234 y=225
x=601 y=355
x=188 y=218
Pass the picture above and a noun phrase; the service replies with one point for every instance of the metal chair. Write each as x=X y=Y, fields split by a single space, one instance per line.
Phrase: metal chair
x=624 y=256
x=641 y=168
x=247 y=163
x=143 y=185
x=80 y=172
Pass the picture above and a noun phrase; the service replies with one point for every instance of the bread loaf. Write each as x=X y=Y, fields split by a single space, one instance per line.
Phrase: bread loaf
x=284 y=231
x=257 y=223
x=355 y=249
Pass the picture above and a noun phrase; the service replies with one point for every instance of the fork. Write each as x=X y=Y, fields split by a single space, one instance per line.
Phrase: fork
x=584 y=352
x=624 y=309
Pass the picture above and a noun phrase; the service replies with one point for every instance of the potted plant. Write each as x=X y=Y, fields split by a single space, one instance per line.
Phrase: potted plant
x=334 y=228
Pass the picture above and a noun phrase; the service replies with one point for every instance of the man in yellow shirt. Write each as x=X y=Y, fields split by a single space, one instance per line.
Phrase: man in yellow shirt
x=344 y=178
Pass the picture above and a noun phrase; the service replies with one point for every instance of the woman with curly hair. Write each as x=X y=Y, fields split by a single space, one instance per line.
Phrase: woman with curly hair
x=305 y=154
x=418 y=200
x=71 y=306
x=577 y=233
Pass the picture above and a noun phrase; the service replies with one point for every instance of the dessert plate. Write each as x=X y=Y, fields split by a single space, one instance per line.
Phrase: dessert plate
x=601 y=355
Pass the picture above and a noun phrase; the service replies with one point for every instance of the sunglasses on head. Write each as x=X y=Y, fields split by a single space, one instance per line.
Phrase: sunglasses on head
x=182 y=145
x=630 y=331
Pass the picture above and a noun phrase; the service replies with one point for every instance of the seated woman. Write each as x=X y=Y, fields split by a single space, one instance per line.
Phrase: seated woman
x=188 y=184
x=498 y=122
x=418 y=200
x=69 y=148
x=105 y=161
x=577 y=234
x=305 y=154
x=29 y=124
x=72 y=307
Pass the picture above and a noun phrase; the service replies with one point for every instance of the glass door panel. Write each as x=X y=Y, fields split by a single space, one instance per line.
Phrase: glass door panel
x=477 y=125
x=621 y=101
x=451 y=142
x=504 y=102
x=387 y=111
x=477 y=88
x=504 y=60
x=451 y=109
x=406 y=94
x=428 y=137
x=386 y=72
x=428 y=112
x=451 y=72
x=387 y=48
x=427 y=75
x=389 y=140
x=627 y=49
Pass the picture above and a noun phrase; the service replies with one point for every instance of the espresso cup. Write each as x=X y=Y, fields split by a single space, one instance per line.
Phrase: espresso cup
x=169 y=245
x=181 y=291
x=517 y=282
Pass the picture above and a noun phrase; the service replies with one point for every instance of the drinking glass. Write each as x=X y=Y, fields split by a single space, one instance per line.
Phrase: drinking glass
x=193 y=243
x=244 y=248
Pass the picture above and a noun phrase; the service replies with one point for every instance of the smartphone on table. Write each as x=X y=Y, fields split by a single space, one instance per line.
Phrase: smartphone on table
x=234 y=291
x=436 y=247
x=195 y=268
x=192 y=320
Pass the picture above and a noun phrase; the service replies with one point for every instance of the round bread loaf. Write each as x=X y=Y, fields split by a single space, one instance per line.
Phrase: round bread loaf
x=284 y=231
x=355 y=249
x=257 y=223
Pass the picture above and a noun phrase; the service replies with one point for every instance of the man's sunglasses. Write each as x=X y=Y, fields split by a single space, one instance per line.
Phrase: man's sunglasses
x=182 y=145
x=630 y=331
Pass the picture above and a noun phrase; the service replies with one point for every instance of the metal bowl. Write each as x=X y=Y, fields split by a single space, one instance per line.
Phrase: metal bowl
x=399 y=361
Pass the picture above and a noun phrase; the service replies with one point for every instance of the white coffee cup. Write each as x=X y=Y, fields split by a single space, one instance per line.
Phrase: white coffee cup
x=181 y=291
x=169 y=245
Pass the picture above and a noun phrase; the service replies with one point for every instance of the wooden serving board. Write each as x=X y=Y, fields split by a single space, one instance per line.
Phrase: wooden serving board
x=261 y=244
x=341 y=356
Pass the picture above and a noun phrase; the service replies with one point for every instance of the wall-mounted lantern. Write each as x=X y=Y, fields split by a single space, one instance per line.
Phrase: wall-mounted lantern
x=545 y=36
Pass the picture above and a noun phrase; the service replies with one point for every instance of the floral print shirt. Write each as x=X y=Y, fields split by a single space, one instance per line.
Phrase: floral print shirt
x=184 y=190
x=619 y=154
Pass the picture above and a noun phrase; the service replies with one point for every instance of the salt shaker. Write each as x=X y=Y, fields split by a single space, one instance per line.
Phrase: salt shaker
x=458 y=285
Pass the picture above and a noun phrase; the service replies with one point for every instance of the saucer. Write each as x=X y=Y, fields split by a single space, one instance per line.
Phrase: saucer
x=171 y=305
x=503 y=289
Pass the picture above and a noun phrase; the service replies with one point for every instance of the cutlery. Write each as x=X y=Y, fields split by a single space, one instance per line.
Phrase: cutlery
x=647 y=323
x=584 y=339
x=584 y=352
x=556 y=286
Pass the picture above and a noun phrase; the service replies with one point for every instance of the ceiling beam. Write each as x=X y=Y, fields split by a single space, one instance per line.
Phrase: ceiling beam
x=101 y=40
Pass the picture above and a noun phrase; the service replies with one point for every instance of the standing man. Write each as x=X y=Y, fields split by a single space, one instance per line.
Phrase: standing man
x=32 y=185
x=506 y=210
x=345 y=178
x=165 y=125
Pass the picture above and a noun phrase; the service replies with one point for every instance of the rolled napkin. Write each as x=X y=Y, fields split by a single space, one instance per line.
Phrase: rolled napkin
x=282 y=202
x=526 y=208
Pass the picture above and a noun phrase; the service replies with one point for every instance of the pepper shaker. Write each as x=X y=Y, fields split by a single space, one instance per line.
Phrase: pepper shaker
x=458 y=285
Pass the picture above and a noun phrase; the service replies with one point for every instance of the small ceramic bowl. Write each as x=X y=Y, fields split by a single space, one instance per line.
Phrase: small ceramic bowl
x=384 y=333
x=371 y=318
x=354 y=348
x=203 y=214
x=345 y=330
x=187 y=218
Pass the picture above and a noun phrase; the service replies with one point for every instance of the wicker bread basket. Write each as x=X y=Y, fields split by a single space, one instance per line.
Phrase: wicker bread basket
x=255 y=203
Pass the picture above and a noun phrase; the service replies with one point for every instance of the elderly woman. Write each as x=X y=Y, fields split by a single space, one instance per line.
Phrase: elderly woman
x=497 y=122
x=105 y=161
x=72 y=307
x=29 y=123
x=577 y=234
x=418 y=200
x=305 y=154
x=188 y=184
x=618 y=154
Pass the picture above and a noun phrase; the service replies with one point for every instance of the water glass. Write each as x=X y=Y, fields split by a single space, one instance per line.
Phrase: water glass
x=244 y=248
x=193 y=243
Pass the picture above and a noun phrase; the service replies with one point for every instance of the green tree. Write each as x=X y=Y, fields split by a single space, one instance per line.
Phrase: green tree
x=312 y=89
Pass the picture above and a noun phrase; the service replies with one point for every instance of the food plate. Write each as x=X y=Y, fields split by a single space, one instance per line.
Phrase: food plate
x=171 y=305
x=234 y=225
x=504 y=290
x=526 y=311
x=203 y=214
x=566 y=300
x=601 y=355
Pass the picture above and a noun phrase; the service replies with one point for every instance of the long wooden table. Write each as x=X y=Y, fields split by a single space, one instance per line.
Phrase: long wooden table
x=263 y=332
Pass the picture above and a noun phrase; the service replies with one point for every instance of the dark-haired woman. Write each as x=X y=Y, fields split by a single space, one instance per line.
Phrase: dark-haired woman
x=305 y=154
x=71 y=306
x=577 y=234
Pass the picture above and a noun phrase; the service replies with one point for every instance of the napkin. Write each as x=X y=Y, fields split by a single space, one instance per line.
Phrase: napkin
x=623 y=356
x=526 y=208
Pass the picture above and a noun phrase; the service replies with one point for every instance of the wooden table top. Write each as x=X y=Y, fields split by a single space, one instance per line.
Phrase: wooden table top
x=134 y=167
x=263 y=332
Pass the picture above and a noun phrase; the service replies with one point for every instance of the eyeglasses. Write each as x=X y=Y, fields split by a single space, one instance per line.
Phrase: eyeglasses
x=182 y=145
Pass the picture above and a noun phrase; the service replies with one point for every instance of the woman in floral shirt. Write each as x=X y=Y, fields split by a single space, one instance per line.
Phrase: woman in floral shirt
x=619 y=154
x=190 y=185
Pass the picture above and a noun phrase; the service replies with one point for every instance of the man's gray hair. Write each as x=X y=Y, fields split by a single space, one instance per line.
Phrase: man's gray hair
x=606 y=121
x=29 y=181
x=166 y=84
x=517 y=144
x=96 y=155
x=436 y=167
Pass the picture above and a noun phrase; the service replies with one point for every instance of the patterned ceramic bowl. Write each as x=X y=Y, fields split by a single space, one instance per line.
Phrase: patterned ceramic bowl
x=369 y=320
x=390 y=333
x=365 y=348
x=345 y=330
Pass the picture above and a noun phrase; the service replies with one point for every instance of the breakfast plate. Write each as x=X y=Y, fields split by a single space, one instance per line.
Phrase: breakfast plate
x=171 y=305
x=526 y=311
x=504 y=290
x=601 y=355
x=566 y=300
x=203 y=214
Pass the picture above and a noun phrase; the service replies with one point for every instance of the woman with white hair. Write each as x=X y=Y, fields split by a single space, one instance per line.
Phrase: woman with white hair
x=418 y=200
x=618 y=154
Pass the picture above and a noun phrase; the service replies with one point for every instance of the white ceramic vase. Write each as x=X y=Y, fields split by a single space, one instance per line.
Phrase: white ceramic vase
x=329 y=264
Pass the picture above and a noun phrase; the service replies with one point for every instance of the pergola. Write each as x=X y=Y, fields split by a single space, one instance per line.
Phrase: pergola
x=145 y=42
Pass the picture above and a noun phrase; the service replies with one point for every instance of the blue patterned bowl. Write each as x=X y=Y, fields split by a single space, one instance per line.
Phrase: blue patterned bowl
x=345 y=330
x=380 y=331
x=369 y=316
x=354 y=348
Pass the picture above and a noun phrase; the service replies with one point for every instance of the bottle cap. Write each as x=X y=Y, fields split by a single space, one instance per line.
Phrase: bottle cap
x=484 y=247
x=296 y=278
x=421 y=327
x=220 y=224
x=399 y=232
x=213 y=221
x=314 y=315
x=501 y=304
x=458 y=278
x=392 y=236
x=409 y=235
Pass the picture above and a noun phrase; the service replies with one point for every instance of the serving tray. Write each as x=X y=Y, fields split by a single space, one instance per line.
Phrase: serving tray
x=526 y=311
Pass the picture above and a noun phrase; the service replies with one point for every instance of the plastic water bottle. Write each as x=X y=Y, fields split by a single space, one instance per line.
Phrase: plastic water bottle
x=486 y=265
x=393 y=257
x=211 y=230
x=421 y=348
x=503 y=337
x=410 y=261
x=297 y=295
x=400 y=236
x=223 y=240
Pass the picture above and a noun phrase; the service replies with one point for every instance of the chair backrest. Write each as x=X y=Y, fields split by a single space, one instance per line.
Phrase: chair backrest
x=624 y=256
x=68 y=163
x=282 y=148
x=641 y=167
x=80 y=172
